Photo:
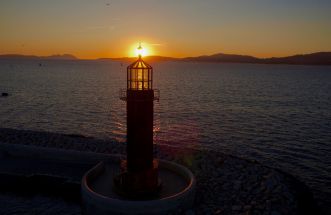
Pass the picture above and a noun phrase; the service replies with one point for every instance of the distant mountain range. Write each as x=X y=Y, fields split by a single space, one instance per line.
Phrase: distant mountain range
x=318 y=58
x=32 y=57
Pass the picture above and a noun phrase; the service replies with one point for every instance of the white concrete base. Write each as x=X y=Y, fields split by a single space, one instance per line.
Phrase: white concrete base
x=177 y=193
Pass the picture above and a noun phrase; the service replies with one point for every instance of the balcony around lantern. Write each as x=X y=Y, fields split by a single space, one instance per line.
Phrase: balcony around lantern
x=123 y=94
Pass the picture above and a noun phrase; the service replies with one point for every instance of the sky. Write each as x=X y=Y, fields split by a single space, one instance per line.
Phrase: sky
x=177 y=28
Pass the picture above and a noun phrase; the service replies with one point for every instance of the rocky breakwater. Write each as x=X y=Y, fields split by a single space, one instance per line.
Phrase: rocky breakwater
x=225 y=184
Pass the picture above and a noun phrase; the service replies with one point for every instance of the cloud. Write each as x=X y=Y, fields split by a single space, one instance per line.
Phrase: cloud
x=156 y=44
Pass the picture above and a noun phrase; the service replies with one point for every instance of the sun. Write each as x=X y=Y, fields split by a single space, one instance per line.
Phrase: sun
x=140 y=49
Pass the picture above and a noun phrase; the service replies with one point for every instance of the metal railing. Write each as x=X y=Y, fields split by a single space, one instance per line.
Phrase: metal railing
x=123 y=94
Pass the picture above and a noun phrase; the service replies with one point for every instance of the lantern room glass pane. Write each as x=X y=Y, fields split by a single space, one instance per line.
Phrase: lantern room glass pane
x=133 y=84
x=146 y=75
x=140 y=74
x=133 y=74
x=146 y=85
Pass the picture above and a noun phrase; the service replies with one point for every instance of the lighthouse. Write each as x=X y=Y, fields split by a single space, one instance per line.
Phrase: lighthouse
x=139 y=172
x=135 y=187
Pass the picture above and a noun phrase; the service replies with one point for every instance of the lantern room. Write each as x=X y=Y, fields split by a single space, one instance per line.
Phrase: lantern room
x=139 y=75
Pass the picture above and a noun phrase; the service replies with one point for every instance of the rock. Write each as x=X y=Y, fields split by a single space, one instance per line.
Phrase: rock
x=218 y=211
x=237 y=185
x=236 y=208
x=275 y=213
x=247 y=207
x=3 y=154
x=270 y=183
x=189 y=212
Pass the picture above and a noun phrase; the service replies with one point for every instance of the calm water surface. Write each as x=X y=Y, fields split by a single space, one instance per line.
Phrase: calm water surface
x=277 y=114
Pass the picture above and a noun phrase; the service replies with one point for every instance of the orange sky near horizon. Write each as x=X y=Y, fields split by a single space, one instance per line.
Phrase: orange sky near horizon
x=171 y=28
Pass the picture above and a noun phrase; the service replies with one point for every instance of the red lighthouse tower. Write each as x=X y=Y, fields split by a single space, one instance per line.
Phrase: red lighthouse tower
x=139 y=177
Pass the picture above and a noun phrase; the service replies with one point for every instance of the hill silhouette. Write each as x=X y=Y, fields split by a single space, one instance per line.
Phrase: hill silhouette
x=51 y=57
x=318 y=58
x=228 y=58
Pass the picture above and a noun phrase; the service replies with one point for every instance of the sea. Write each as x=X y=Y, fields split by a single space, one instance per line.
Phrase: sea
x=279 y=115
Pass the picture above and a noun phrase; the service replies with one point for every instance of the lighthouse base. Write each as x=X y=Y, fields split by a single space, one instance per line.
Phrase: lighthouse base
x=99 y=196
x=138 y=185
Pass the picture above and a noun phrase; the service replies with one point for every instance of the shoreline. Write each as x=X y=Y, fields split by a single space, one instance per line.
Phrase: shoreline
x=226 y=184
